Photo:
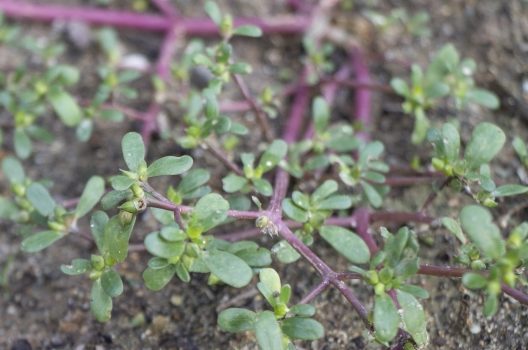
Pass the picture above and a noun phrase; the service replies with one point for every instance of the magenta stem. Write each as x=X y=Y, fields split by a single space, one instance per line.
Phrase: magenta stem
x=261 y=116
x=323 y=269
x=397 y=217
x=127 y=19
x=363 y=95
x=238 y=214
x=318 y=289
x=362 y=217
x=291 y=131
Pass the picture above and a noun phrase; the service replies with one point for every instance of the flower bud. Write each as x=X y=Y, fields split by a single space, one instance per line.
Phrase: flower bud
x=98 y=262
x=125 y=217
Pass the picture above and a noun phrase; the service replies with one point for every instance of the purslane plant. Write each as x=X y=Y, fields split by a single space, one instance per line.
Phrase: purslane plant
x=341 y=182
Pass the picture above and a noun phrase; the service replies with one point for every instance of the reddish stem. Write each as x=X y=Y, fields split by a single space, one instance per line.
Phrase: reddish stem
x=127 y=19
x=261 y=116
x=363 y=95
x=398 y=217
x=362 y=217
x=323 y=269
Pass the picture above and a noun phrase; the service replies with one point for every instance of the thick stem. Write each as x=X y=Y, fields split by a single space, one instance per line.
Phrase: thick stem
x=323 y=269
x=261 y=116
x=363 y=95
x=397 y=217
x=318 y=289
x=222 y=157
x=127 y=19
x=362 y=217
x=168 y=49
x=290 y=134
x=238 y=214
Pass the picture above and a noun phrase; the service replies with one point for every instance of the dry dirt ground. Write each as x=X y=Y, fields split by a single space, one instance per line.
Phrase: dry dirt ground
x=43 y=309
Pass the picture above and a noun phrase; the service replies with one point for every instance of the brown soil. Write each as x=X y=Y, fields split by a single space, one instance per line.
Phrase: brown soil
x=44 y=309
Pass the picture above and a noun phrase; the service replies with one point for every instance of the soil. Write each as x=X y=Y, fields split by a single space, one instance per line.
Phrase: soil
x=44 y=309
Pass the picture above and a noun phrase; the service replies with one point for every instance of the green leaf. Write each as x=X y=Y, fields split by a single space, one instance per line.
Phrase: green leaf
x=112 y=283
x=113 y=198
x=236 y=320
x=285 y=253
x=321 y=114
x=92 y=193
x=509 y=190
x=520 y=147
x=159 y=247
x=13 y=170
x=474 y=280
x=486 y=141
x=386 y=318
x=238 y=68
x=416 y=291
x=170 y=165
x=193 y=180
x=421 y=124
x=436 y=89
x=484 y=98
x=112 y=115
x=156 y=279
x=101 y=303
x=400 y=86
x=133 y=150
x=40 y=240
x=156 y=263
x=84 y=130
x=303 y=310
x=213 y=11
x=210 y=211
x=269 y=285
x=66 y=107
x=183 y=273
x=347 y=243
x=395 y=245
x=413 y=317
x=23 y=146
x=40 y=198
x=373 y=196
x=477 y=222
x=273 y=155
x=77 y=267
x=453 y=226
x=451 y=142
x=302 y=328
x=121 y=182
x=116 y=236
x=8 y=209
x=229 y=268
x=268 y=331
x=98 y=222
x=491 y=305
x=248 y=30
x=293 y=211
x=337 y=202
x=326 y=189
x=255 y=257
x=233 y=183
x=301 y=200
x=173 y=233
x=263 y=187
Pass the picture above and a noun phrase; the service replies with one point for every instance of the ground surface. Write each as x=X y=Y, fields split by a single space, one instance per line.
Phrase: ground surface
x=43 y=309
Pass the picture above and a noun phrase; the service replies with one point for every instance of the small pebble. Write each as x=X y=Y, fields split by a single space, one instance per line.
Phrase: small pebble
x=176 y=300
